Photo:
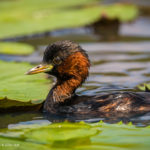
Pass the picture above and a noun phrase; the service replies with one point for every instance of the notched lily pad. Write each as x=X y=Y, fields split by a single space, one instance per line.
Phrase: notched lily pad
x=19 y=91
x=11 y=48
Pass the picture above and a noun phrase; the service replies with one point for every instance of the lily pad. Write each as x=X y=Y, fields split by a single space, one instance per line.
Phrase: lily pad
x=18 y=89
x=25 y=17
x=119 y=11
x=15 y=48
x=68 y=136
x=60 y=132
x=144 y=87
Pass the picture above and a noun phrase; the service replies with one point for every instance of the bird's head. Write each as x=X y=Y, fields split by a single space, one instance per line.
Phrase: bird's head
x=64 y=60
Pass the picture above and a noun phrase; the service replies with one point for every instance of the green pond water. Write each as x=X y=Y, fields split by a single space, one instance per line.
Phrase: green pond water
x=121 y=64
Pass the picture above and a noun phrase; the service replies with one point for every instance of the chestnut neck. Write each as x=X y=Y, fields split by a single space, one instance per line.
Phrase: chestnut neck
x=61 y=93
x=70 y=75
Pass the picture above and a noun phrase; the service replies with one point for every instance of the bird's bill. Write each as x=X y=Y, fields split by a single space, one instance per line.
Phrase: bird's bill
x=40 y=68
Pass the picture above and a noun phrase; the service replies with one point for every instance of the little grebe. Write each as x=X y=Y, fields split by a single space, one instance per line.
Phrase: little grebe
x=69 y=63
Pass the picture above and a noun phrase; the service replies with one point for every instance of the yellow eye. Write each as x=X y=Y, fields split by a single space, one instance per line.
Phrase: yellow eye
x=57 y=60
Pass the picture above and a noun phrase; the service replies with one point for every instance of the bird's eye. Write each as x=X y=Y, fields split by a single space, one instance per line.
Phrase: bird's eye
x=57 y=60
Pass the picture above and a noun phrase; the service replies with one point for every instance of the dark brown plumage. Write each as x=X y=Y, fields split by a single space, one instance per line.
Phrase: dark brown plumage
x=70 y=65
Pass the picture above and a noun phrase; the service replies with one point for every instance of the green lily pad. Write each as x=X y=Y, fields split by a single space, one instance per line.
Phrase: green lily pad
x=144 y=87
x=60 y=132
x=25 y=17
x=80 y=136
x=15 y=48
x=119 y=11
x=18 y=89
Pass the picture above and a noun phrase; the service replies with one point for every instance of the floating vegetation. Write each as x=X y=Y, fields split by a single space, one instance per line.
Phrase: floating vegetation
x=17 y=89
x=25 y=17
x=144 y=87
x=68 y=136
x=11 y=48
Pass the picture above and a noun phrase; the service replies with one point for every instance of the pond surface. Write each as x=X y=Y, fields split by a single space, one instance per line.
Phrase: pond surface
x=116 y=65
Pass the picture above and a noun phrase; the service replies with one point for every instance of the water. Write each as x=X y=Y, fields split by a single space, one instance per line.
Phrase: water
x=116 y=65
